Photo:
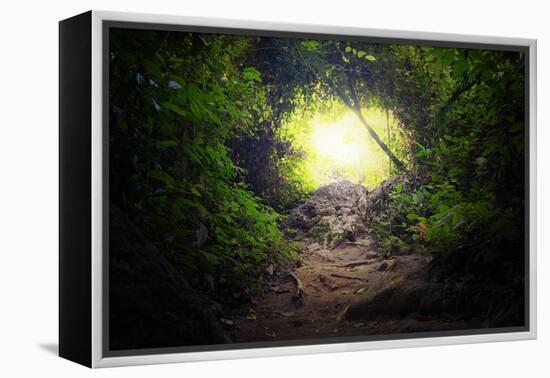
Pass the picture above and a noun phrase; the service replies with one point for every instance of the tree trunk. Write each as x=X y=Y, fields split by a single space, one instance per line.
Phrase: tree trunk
x=356 y=108
x=398 y=163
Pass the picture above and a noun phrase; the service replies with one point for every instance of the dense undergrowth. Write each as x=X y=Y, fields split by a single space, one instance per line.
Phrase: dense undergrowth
x=198 y=162
x=175 y=107
x=471 y=186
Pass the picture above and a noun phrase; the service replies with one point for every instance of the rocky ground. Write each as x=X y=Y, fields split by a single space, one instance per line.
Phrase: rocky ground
x=344 y=284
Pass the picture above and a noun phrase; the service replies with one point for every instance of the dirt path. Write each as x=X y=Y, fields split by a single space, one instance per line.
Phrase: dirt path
x=337 y=284
x=349 y=287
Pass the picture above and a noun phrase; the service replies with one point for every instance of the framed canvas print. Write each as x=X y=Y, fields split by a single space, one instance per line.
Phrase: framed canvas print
x=236 y=189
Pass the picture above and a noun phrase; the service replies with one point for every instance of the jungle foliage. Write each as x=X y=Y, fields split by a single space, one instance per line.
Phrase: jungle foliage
x=198 y=160
x=176 y=102
x=468 y=152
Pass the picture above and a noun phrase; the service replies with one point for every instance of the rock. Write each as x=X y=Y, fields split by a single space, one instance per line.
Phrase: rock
x=377 y=200
x=151 y=305
x=399 y=301
x=314 y=247
x=423 y=288
x=394 y=266
x=334 y=213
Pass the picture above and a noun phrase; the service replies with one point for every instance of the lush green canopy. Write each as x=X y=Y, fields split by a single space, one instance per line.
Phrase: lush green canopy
x=214 y=137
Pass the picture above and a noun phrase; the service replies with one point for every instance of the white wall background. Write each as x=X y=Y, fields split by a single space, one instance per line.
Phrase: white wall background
x=28 y=186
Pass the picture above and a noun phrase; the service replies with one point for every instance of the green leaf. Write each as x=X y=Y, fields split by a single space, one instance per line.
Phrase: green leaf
x=195 y=191
x=251 y=74
x=348 y=49
x=361 y=54
x=310 y=44
x=211 y=258
x=174 y=108
x=399 y=188
x=370 y=58
x=461 y=66
x=163 y=177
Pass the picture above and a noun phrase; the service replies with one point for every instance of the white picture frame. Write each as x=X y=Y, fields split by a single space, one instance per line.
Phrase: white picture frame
x=98 y=357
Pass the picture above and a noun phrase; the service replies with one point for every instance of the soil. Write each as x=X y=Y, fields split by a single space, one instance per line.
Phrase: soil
x=350 y=286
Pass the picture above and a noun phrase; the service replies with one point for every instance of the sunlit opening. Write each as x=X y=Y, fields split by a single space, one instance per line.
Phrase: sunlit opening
x=339 y=141
x=335 y=146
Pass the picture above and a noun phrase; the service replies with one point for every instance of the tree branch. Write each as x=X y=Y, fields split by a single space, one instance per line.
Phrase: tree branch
x=355 y=106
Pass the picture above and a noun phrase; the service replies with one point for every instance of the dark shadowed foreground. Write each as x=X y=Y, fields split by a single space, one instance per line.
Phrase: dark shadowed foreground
x=150 y=304
x=343 y=285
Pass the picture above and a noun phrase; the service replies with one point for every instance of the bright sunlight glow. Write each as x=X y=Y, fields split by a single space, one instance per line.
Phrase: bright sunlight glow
x=339 y=141
x=337 y=146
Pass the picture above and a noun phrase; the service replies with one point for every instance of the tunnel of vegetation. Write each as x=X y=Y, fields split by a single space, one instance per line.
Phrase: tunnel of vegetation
x=215 y=138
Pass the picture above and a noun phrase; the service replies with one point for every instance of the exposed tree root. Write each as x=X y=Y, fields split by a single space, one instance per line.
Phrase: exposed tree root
x=299 y=293
x=343 y=276
x=352 y=264
x=359 y=244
